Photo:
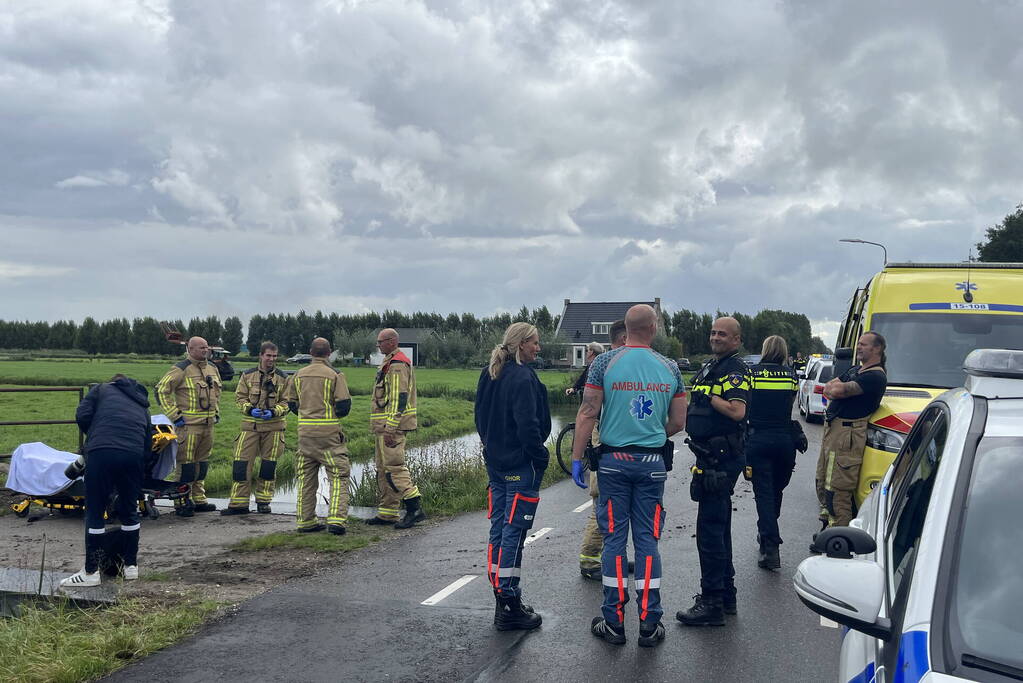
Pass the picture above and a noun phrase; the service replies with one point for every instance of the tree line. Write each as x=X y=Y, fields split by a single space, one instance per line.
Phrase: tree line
x=459 y=338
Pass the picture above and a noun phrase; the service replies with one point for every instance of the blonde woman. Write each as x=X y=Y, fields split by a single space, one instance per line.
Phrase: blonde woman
x=770 y=448
x=513 y=422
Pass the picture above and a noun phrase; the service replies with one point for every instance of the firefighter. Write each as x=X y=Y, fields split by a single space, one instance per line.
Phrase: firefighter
x=640 y=399
x=771 y=448
x=392 y=413
x=318 y=394
x=853 y=397
x=189 y=395
x=717 y=413
x=593 y=540
x=260 y=396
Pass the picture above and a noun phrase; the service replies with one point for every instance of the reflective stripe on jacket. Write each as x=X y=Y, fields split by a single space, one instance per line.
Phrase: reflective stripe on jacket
x=191 y=390
x=393 y=407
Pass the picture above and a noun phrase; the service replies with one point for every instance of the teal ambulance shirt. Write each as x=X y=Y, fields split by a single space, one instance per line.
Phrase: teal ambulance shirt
x=638 y=385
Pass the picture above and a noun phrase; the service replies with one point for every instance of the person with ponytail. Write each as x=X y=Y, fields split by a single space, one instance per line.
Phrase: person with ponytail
x=514 y=422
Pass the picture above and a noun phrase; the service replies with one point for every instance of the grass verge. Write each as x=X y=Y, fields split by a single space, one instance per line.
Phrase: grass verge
x=358 y=536
x=64 y=643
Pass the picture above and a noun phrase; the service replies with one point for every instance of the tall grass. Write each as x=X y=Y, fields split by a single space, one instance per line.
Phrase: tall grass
x=63 y=643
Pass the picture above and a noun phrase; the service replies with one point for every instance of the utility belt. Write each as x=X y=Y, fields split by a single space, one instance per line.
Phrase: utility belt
x=711 y=473
x=666 y=451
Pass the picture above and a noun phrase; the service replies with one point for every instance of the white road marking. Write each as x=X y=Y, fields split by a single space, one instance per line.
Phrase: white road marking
x=584 y=506
x=440 y=595
x=537 y=534
x=827 y=623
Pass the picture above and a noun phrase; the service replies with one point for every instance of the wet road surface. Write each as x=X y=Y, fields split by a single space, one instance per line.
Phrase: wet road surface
x=366 y=621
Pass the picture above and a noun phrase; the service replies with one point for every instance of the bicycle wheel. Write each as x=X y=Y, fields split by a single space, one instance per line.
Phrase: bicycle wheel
x=563 y=447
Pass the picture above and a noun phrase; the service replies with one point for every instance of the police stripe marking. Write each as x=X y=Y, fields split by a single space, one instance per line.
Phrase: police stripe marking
x=441 y=594
x=533 y=536
x=827 y=623
x=584 y=506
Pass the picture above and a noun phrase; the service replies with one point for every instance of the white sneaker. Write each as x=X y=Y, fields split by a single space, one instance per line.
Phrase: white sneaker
x=131 y=572
x=81 y=579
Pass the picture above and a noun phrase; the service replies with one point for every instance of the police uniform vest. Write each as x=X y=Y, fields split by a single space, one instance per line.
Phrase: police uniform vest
x=317 y=388
x=773 y=388
x=190 y=390
x=726 y=377
x=263 y=390
x=393 y=407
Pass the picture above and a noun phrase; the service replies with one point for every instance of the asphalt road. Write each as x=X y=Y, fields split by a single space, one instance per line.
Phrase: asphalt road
x=365 y=621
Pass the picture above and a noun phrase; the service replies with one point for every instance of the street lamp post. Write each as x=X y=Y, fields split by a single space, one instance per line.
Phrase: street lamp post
x=876 y=244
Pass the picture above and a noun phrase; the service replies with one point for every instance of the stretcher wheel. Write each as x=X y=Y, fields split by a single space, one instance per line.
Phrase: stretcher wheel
x=151 y=510
x=22 y=508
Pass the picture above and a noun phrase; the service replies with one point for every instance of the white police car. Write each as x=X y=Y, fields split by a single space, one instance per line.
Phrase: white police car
x=928 y=580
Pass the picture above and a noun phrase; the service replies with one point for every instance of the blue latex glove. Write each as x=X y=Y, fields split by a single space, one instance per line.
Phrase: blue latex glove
x=180 y=422
x=578 y=474
x=267 y=414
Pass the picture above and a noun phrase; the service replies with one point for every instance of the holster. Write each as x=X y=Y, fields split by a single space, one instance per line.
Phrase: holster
x=668 y=454
x=592 y=456
x=799 y=437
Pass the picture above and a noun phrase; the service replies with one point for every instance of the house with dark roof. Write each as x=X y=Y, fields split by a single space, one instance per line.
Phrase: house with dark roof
x=409 y=339
x=583 y=322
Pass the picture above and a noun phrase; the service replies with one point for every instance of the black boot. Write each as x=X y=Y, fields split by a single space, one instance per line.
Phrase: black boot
x=770 y=558
x=183 y=507
x=651 y=635
x=509 y=615
x=608 y=632
x=413 y=513
x=706 y=611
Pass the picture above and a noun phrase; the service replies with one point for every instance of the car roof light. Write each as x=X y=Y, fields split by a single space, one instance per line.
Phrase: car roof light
x=994 y=363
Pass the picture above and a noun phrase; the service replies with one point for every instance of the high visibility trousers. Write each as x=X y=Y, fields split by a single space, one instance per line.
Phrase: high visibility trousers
x=512 y=499
x=714 y=536
x=267 y=446
x=325 y=450
x=394 y=483
x=107 y=472
x=593 y=539
x=194 y=445
x=838 y=469
x=772 y=455
x=631 y=494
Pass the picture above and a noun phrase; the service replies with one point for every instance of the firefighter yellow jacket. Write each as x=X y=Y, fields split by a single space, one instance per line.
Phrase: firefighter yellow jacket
x=265 y=390
x=316 y=389
x=190 y=390
x=394 y=396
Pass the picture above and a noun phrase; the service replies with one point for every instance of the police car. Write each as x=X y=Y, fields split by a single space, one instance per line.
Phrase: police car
x=927 y=582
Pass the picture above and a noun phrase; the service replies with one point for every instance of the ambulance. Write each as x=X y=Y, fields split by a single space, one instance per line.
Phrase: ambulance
x=932 y=315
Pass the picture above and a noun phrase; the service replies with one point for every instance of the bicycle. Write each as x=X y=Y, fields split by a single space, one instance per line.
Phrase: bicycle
x=563 y=448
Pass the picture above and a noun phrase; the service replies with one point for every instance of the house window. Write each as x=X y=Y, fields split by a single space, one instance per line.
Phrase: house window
x=601 y=328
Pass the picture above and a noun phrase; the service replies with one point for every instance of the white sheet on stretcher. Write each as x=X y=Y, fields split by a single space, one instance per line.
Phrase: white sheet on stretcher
x=38 y=469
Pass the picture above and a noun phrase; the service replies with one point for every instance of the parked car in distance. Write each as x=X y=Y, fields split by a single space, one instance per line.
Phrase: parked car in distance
x=810 y=399
x=539 y=363
x=751 y=359
x=300 y=358
x=684 y=364
x=927 y=576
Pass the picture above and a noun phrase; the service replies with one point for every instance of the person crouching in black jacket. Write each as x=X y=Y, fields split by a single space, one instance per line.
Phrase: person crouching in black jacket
x=514 y=422
x=115 y=419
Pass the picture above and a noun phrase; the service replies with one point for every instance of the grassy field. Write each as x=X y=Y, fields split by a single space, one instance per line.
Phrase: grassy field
x=445 y=410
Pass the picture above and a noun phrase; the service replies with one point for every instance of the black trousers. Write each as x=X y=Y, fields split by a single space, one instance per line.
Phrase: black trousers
x=714 y=537
x=772 y=455
x=107 y=472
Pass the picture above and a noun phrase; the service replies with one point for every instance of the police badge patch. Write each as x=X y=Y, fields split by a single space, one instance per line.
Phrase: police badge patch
x=735 y=380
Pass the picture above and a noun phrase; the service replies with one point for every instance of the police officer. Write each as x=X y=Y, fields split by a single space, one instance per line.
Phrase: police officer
x=260 y=397
x=392 y=413
x=318 y=394
x=717 y=411
x=770 y=446
x=853 y=397
x=593 y=539
x=189 y=395
x=640 y=399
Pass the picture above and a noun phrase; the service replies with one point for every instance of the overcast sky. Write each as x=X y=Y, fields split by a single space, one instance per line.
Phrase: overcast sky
x=187 y=158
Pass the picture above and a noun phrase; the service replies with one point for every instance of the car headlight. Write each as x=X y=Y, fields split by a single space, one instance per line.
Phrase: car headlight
x=887 y=440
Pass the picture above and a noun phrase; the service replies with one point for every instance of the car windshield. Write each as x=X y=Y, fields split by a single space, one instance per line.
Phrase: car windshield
x=988 y=587
x=827 y=372
x=928 y=349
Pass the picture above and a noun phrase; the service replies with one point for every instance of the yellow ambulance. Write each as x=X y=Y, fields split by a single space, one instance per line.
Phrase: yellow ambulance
x=932 y=315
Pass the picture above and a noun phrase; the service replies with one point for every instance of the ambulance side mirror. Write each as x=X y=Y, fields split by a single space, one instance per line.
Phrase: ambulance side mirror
x=843 y=360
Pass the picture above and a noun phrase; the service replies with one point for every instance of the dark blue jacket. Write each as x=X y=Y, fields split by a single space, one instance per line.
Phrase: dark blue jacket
x=512 y=417
x=115 y=416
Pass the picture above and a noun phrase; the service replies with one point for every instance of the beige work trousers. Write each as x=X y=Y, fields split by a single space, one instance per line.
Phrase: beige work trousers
x=394 y=482
x=194 y=445
x=267 y=446
x=326 y=450
x=838 y=469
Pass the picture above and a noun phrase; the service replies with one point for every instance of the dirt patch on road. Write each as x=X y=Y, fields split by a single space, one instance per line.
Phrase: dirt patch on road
x=178 y=557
